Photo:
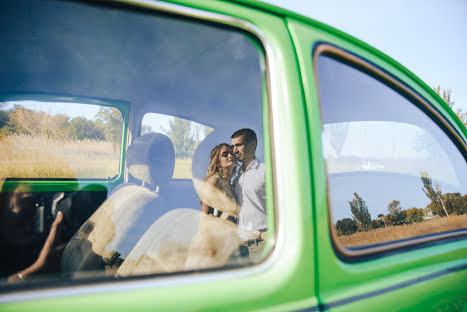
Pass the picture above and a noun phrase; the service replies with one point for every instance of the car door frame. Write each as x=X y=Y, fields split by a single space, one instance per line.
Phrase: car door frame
x=285 y=279
x=349 y=281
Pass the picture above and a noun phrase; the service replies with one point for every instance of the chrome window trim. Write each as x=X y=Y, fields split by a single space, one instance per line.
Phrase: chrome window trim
x=273 y=96
x=392 y=82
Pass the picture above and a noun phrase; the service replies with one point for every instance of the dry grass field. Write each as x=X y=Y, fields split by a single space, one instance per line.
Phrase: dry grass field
x=182 y=168
x=404 y=231
x=24 y=156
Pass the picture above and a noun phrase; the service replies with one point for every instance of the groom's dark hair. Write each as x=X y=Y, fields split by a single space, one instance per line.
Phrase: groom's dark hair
x=249 y=134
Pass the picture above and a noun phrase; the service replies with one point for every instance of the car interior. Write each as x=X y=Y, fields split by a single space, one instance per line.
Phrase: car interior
x=151 y=63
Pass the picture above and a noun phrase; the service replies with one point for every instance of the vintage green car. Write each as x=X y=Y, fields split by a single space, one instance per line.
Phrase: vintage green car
x=341 y=183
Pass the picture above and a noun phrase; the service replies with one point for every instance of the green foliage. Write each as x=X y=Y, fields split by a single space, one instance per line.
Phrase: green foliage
x=436 y=205
x=414 y=215
x=14 y=121
x=394 y=207
x=360 y=213
x=441 y=204
x=109 y=121
x=24 y=121
x=377 y=224
x=346 y=226
x=179 y=133
x=455 y=203
x=4 y=118
x=396 y=214
x=81 y=128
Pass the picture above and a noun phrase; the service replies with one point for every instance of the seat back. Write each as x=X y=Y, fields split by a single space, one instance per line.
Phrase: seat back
x=107 y=237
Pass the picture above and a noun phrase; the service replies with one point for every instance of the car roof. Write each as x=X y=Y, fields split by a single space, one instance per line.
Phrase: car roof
x=139 y=64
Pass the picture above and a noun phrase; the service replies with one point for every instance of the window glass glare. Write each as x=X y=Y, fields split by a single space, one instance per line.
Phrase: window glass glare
x=402 y=148
x=192 y=193
x=392 y=172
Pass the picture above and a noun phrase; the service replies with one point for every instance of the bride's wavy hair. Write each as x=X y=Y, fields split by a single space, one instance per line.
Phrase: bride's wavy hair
x=214 y=166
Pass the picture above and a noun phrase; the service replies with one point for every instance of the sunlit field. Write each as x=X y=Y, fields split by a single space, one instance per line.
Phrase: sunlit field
x=379 y=235
x=24 y=156
x=182 y=168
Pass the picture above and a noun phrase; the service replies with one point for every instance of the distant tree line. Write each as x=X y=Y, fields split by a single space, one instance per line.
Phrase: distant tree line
x=442 y=205
x=107 y=125
x=185 y=136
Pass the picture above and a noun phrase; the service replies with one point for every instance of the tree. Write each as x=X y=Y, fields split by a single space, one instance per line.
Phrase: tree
x=346 y=226
x=382 y=219
x=110 y=123
x=394 y=207
x=4 y=118
x=414 y=215
x=434 y=194
x=396 y=214
x=377 y=223
x=25 y=121
x=81 y=128
x=200 y=132
x=360 y=213
x=455 y=203
x=145 y=129
x=445 y=94
x=57 y=126
x=183 y=141
x=22 y=121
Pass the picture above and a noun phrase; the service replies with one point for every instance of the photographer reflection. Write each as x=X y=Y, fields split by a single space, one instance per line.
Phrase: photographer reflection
x=18 y=233
x=49 y=257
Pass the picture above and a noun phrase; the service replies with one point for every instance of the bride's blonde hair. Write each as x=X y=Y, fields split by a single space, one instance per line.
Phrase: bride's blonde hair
x=214 y=166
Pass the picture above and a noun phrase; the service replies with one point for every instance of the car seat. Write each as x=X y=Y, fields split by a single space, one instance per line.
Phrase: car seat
x=164 y=247
x=107 y=237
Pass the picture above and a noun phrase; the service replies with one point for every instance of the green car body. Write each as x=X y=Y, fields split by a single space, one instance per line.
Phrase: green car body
x=304 y=270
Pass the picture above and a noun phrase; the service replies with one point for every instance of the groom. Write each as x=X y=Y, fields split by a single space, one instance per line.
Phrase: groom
x=250 y=193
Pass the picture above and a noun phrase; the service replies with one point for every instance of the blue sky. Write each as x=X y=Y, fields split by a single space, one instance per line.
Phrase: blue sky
x=426 y=36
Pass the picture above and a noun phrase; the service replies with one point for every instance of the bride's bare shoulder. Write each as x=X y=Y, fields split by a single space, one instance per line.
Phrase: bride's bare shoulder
x=212 y=180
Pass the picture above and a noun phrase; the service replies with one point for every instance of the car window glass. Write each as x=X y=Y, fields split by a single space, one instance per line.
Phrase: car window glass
x=181 y=88
x=392 y=172
x=184 y=145
x=59 y=140
x=400 y=145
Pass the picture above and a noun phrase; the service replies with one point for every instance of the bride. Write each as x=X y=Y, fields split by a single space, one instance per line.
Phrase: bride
x=189 y=239
x=217 y=237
